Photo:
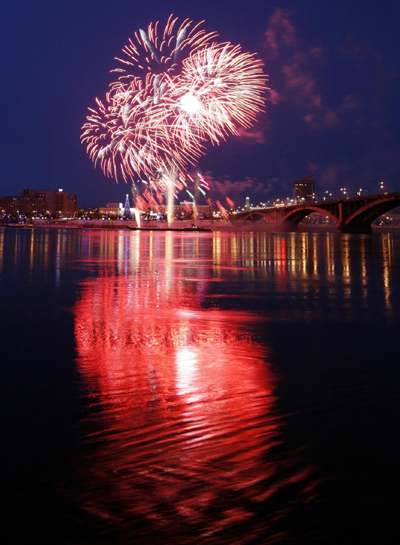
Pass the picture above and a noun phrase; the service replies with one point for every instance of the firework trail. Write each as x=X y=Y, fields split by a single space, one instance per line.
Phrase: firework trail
x=223 y=210
x=176 y=90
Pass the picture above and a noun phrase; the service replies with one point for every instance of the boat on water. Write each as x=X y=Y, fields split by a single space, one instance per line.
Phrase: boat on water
x=193 y=229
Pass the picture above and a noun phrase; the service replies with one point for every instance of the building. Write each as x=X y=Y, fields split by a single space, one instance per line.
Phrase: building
x=304 y=190
x=9 y=206
x=38 y=202
x=247 y=204
x=112 y=210
x=61 y=202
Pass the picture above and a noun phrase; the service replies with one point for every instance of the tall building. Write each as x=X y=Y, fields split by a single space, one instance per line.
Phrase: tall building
x=39 y=202
x=304 y=190
x=60 y=202
x=247 y=204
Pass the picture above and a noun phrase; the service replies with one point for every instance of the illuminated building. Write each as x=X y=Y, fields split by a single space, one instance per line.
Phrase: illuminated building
x=9 y=205
x=39 y=202
x=112 y=209
x=304 y=190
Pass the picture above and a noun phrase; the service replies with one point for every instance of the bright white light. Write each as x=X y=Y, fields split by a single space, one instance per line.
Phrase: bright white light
x=186 y=360
x=190 y=104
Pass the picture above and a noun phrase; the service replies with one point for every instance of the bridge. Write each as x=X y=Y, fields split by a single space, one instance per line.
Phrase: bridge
x=351 y=215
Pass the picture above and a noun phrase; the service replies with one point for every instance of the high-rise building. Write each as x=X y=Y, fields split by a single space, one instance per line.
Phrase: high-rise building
x=247 y=204
x=39 y=202
x=304 y=190
x=60 y=202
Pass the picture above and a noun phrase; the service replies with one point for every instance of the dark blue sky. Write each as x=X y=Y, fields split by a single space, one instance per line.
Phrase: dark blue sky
x=333 y=110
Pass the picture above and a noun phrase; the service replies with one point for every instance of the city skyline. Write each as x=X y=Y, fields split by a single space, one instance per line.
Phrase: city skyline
x=331 y=111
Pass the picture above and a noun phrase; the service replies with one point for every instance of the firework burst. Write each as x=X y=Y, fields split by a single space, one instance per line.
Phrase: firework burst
x=130 y=134
x=176 y=90
x=219 y=90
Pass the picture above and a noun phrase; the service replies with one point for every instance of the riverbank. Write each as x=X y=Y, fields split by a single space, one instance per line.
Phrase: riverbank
x=160 y=225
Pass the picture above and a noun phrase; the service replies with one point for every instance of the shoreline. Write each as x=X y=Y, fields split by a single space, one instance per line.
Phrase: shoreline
x=184 y=226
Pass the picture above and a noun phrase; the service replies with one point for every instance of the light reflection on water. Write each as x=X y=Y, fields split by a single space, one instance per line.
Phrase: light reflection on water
x=195 y=430
x=185 y=424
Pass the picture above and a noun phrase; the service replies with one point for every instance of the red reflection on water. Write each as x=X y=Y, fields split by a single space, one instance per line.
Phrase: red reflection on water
x=184 y=421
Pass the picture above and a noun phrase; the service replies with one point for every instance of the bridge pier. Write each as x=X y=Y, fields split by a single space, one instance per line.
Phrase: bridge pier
x=362 y=228
x=287 y=227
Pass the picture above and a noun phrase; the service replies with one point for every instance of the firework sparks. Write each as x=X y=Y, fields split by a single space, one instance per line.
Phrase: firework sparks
x=176 y=90
x=130 y=133
x=219 y=90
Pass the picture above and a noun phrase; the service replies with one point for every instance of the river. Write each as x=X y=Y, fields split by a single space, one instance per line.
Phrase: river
x=206 y=388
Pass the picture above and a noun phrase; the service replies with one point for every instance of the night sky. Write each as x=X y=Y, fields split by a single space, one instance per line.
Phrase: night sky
x=333 y=109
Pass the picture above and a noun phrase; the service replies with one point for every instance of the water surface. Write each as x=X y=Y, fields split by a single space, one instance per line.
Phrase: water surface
x=199 y=387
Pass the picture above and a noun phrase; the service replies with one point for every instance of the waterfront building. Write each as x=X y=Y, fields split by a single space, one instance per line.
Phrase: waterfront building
x=113 y=209
x=304 y=190
x=34 y=202
x=9 y=206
